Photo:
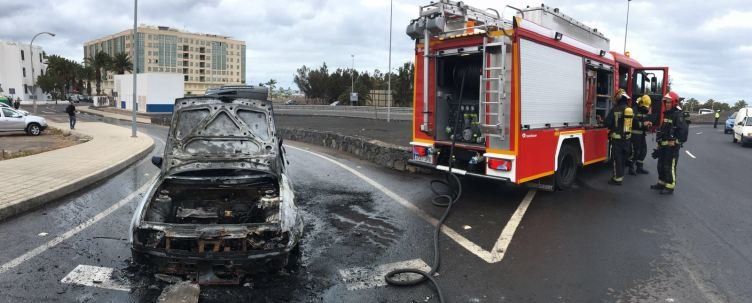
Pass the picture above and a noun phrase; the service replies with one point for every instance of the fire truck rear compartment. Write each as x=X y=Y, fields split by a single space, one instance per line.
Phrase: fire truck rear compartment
x=449 y=74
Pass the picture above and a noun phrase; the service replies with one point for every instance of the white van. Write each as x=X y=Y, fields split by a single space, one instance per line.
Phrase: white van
x=743 y=126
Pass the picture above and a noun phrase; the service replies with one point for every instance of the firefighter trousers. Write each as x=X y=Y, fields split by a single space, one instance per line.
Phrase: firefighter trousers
x=638 y=151
x=668 y=157
x=619 y=154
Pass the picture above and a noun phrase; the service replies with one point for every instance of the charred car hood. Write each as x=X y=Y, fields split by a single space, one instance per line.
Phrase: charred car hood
x=214 y=133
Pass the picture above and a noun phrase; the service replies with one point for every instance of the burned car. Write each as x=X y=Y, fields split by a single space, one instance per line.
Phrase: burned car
x=222 y=206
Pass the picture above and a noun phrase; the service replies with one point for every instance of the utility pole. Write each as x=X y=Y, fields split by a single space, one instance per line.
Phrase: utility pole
x=134 y=44
x=31 y=58
x=625 y=28
x=389 y=73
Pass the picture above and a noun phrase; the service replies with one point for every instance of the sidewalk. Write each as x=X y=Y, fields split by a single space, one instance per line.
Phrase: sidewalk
x=31 y=181
x=113 y=115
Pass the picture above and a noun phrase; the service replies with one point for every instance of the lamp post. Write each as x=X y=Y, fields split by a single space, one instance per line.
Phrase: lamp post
x=625 y=28
x=31 y=57
x=134 y=44
x=389 y=74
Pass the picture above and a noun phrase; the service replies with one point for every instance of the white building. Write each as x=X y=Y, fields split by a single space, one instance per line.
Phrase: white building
x=156 y=91
x=16 y=72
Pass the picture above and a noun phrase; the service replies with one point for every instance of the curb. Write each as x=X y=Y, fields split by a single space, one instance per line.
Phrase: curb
x=381 y=153
x=45 y=197
x=110 y=119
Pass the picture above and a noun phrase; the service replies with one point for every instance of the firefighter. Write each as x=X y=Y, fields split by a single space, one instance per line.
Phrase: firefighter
x=671 y=135
x=640 y=125
x=619 y=124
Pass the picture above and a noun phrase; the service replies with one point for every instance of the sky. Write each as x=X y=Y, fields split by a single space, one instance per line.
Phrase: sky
x=706 y=44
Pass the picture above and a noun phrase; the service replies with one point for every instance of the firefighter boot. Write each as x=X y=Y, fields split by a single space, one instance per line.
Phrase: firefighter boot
x=631 y=169
x=667 y=191
x=614 y=182
x=657 y=186
x=641 y=170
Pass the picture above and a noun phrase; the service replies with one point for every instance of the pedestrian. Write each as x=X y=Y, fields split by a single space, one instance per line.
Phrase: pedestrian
x=640 y=126
x=717 y=115
x=71 y=110
x=619 y=124
x=17 y=104
x=671 y=135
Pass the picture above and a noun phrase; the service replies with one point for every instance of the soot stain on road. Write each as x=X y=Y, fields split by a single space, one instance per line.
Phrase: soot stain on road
x=342 y=228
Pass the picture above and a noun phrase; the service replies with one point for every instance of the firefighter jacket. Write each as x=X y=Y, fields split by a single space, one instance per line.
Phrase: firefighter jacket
x=640 y=117
x=673 y=128
x=619 y=121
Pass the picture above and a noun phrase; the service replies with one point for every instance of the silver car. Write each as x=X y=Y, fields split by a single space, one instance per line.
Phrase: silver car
x=25 y=113
x=12 y=120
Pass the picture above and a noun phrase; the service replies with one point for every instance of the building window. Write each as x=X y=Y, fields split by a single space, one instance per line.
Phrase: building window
x=185 y=78
x=23 y=69
x=40 y=57
x=22 y=55
x=26 y=89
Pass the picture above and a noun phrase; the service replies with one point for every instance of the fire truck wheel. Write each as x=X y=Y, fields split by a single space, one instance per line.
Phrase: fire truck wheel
x=567 y=167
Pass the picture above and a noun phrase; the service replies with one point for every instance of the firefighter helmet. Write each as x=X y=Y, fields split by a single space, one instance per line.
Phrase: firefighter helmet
x=644 y=101
x=673 y=97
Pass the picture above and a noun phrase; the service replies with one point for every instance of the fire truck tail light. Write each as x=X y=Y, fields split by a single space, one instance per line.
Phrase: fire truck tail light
x=420 y=150
x=499 y=164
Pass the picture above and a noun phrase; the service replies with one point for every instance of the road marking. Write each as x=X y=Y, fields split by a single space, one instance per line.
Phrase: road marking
x=72 y=232
x=95 y=276
x=690 y=154
x=700 y=133
x=357 y=278
x=495 y=255
x=500 y=248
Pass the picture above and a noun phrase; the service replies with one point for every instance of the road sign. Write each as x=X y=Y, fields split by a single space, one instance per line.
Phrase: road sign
x=353 y=97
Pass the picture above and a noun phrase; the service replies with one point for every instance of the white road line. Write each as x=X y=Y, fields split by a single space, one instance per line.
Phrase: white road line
x=357 y=278
x=690 y=154
x=72 y=232
x=505 y=238
x=493 y=256
x=95 y=276
x=700 y=133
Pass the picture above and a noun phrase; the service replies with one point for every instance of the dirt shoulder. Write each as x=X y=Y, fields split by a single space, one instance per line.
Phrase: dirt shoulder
x=15 y=145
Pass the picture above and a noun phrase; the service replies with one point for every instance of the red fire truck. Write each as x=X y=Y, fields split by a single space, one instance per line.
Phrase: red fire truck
x=522 y=99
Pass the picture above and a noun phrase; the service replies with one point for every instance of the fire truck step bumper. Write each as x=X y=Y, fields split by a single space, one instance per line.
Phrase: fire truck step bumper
x=455 y=170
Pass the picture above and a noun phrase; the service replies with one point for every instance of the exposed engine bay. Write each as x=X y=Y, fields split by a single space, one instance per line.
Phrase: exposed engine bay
x=215 y=204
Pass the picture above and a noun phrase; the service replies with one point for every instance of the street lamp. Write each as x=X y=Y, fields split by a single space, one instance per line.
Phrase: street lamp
x=31 y=57
x=134 y=44
x=389 y=74
x=625 y=28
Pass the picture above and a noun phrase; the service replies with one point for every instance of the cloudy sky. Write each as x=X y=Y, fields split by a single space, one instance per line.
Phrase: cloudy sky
x=706 y=44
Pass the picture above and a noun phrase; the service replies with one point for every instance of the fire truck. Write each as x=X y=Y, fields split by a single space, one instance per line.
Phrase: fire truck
x=521 y=99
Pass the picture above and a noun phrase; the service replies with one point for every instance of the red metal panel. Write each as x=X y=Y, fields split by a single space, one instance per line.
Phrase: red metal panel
x=418 y=100
x=595 y=142
x=537 y=152
x=625 y=60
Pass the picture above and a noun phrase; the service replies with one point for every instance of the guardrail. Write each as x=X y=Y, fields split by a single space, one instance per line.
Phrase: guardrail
x=397 y=113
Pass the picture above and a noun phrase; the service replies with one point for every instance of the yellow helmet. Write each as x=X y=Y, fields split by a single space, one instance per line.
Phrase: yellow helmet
x=644 y=101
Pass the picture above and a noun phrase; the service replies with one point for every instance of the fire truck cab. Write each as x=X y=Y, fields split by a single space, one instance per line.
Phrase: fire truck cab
x=522 y=99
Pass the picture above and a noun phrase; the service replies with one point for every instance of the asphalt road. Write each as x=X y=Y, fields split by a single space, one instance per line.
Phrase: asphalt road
x=592 y=243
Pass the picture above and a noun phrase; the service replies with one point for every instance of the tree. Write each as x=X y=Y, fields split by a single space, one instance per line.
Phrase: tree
x=402 y=85
x=49 y=84
x=101 y=63
x=739 y=105
x=121 y=63
x=691 y=104
x=87 y=74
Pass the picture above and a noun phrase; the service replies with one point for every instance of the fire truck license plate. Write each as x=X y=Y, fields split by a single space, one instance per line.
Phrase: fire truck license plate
x=426 y=158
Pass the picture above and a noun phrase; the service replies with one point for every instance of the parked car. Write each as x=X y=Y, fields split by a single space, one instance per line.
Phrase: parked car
x=25 y=113
x=729 y=126
x=291 y=102
x=743 y=126
x=222 y=205
x=704 y=111
x=14 y=121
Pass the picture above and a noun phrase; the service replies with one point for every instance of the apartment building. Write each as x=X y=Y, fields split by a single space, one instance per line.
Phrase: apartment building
x=205 y=60
x=16 y=70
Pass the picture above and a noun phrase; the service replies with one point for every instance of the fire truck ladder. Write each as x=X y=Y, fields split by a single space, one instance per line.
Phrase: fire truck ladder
x=493 y=89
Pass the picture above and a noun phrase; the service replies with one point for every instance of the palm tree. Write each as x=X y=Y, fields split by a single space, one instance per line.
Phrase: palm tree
x=87 y=74
x=101 y=63
x=121 y=63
